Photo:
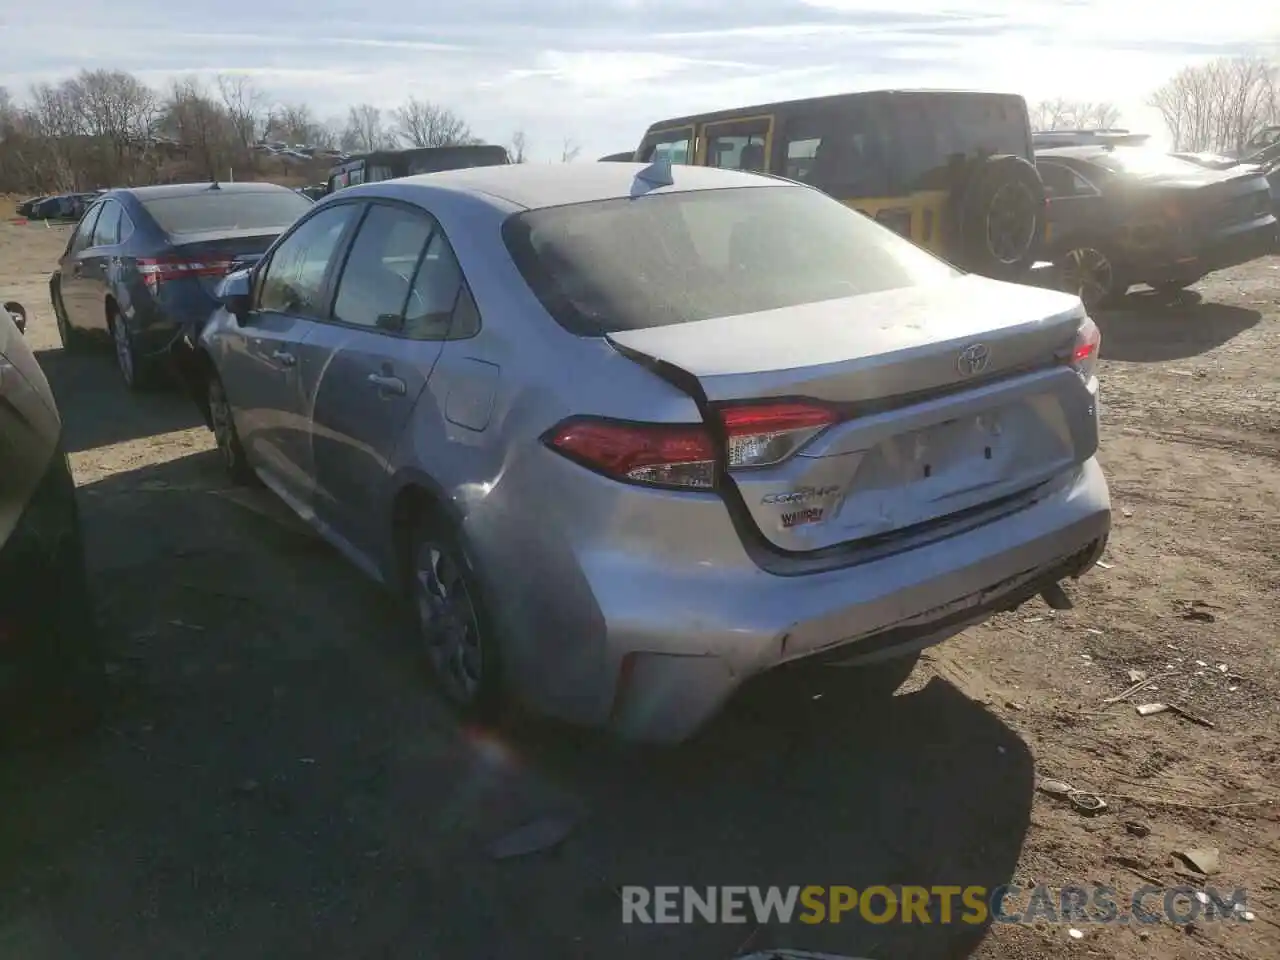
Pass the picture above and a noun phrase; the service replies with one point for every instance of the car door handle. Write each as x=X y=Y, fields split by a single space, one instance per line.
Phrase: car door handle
x=387 y=384
x=286 y=359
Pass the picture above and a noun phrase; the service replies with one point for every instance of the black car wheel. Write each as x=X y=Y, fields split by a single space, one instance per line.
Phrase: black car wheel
x=138 y=373
x=1090 y=274
x=224 y=433
x=71 y=339
x=452 y=627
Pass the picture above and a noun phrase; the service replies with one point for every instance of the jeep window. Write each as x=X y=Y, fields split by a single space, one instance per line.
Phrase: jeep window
x=624 y=264
x=938 y=130
x=677 y=147
x=842 y=151
x=1061 y=182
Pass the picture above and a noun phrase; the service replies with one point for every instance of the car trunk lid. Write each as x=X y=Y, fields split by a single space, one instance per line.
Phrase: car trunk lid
x=210 y=256
x=945 y=398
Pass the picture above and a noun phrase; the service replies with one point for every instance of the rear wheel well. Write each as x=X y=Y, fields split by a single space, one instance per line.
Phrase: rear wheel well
x=413 y=507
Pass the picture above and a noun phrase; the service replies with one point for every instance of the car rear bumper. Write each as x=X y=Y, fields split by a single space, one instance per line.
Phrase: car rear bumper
x=658 y=649
x=1220 y=250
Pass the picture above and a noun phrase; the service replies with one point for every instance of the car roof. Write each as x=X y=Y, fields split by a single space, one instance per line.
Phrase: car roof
x=194 y=189
x=534 y=186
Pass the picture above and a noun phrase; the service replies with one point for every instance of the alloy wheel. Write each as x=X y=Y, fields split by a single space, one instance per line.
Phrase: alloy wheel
x=448 y=623
x=1088 y=273
x=124 y=350
x=220 y=417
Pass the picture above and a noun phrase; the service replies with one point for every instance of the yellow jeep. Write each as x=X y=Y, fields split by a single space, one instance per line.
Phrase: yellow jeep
x=954 y=171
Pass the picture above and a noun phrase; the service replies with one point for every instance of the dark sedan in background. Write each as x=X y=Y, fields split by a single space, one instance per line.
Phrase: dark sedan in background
x=1119 y=216
x=142 y=264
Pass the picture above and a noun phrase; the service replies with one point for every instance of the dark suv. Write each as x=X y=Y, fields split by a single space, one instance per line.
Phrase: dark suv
x=1125 y=215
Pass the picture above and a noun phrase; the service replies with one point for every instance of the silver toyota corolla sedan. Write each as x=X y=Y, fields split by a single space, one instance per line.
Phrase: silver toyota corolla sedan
x=627 y=436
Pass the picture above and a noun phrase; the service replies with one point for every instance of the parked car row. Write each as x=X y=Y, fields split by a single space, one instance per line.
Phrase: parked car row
x=61 y=206
x=1123 y=215
x=621 y=435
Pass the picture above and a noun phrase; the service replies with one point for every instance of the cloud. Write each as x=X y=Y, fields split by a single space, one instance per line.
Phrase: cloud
x=599 y=71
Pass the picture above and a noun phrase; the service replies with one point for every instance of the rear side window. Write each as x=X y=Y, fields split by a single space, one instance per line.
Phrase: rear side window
x=107 y=230
x=650 y=261
x=214 y=210
x=83 y=236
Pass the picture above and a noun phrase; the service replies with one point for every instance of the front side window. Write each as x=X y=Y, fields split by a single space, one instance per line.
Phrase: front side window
x=674 y=146
x=625 y=264
x=294 y=280
x=384 y=256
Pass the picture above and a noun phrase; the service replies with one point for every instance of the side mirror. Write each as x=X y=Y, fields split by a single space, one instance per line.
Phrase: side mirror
x=233 y=293
x=18 y=314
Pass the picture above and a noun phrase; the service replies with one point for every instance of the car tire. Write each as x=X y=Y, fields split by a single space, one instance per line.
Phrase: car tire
x=72 y=341
x=223 y=424
x=452 y=628
x=1090 y=272
x=997 y=212
x=137 y=373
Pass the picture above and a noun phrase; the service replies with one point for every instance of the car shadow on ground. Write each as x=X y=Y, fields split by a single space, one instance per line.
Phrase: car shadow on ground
x=274 y=779
x=1149 y=327
x=99 y=411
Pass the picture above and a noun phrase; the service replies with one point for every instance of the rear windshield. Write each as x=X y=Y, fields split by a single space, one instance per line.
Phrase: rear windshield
x=650 y=261
x=1143 y=162
x=227 y=210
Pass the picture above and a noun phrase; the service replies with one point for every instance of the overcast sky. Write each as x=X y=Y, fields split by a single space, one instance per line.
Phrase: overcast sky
x=599 y=71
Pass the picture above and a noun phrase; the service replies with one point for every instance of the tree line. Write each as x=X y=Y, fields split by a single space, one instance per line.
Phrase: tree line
x=1216 y=107
x=105 y=128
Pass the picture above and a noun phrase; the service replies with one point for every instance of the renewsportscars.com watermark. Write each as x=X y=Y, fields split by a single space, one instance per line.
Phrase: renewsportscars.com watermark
x=929 y=905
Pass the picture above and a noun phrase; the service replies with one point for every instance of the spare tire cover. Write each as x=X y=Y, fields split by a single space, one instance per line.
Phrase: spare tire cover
x=1000 y=218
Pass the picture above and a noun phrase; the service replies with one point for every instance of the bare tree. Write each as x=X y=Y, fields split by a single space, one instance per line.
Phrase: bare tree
x=364 y=131
x=569 y=150
x=518 y=149
x=1061 y=114
x=244 y=106
x=201 y=124
x=1219 y=105
x=424 y=124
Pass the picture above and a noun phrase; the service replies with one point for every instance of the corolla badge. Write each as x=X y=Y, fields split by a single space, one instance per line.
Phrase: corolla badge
x=973 y=359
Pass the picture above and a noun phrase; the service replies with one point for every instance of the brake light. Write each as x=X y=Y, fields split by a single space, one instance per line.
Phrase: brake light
x=762 y=434
x=675 y=455
x=156 y=270
x=1084 y=352
x=687 y=455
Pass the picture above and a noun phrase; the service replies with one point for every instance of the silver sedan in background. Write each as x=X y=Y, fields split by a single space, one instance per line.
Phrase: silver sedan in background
x=626 y=437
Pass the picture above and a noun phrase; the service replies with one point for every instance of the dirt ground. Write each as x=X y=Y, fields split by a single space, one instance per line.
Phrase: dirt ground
x=275 y=780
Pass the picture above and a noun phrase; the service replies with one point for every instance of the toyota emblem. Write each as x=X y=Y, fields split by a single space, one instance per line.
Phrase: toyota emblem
x=973 y=359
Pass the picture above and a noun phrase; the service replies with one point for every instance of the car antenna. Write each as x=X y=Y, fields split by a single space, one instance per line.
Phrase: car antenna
x=658 y=173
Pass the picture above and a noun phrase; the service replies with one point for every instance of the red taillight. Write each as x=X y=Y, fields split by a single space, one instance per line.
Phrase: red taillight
x=679 y=455
x=767 y=433
x=156 y=270
x=686 y=455
x=1084 y=353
